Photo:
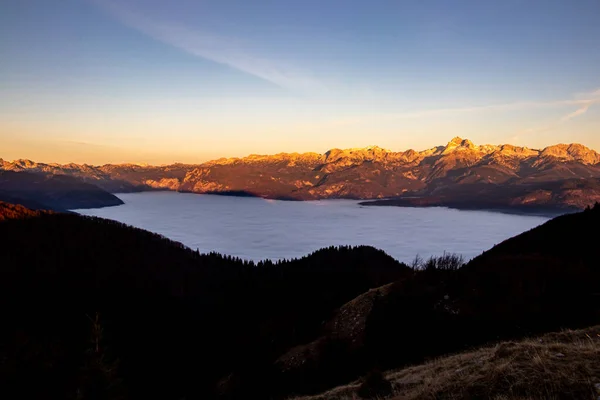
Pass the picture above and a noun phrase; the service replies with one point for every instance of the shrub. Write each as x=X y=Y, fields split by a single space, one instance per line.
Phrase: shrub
x=374 y=385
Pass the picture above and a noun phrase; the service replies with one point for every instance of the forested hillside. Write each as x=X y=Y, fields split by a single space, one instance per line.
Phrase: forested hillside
x=92 y=307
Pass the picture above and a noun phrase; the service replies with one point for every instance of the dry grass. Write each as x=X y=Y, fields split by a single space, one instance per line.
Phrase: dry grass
x=563 y=365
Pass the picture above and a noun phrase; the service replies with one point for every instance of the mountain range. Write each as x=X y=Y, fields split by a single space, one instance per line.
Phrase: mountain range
x=459 y=174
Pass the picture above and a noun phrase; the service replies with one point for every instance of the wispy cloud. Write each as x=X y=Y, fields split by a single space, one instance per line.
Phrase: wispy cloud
x=587 y=100
x=583 y=103
x=576 y=113
x=230 y=51
x=584 y=100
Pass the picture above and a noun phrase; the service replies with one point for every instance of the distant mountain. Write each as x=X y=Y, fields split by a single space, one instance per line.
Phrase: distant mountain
x=92 y=308
x=459 y=174
x=52 y=192
x=545 y=197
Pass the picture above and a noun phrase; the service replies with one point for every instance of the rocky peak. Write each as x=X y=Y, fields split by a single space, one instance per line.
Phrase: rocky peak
x=24 y=163
x=374 y=149
x=290 y=158
x=508 y=150
x=458 y=141
x=459 y=144
x=18 y=165
x=355 y=154
x=411 y=156
x=572 y=152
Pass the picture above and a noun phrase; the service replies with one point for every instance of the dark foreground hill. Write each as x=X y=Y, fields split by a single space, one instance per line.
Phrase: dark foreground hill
x=52 y=192
x=540 y=281
x=96 y=309
x=174 y=321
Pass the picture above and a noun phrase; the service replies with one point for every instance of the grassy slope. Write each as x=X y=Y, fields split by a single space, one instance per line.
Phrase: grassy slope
x=563 y=365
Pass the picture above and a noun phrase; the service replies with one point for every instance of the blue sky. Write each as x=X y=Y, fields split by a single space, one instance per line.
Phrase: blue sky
x=153 y=81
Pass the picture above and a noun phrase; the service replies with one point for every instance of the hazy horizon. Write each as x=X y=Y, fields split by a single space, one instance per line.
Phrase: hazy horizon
x=106 y=81
x=265 y=154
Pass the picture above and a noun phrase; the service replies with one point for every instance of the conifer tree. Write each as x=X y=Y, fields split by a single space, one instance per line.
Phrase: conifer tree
x=99 y=379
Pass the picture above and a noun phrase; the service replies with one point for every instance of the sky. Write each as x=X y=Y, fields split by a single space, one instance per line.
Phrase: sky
x=153 y=81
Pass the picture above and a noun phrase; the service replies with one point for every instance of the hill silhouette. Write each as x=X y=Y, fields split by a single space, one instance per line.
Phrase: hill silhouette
x=177 y=321
x=110 y=311
x=542 y=280
x=52 y=192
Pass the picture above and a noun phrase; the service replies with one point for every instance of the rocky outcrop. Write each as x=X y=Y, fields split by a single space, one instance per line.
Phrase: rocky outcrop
x=164 y=183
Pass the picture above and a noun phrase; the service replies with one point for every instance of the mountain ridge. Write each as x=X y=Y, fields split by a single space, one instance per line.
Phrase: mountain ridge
x=367 y=173
x=569 y=151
